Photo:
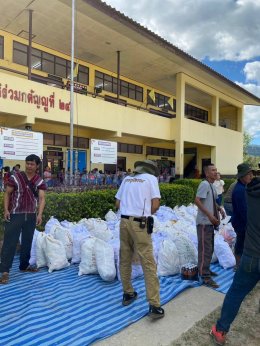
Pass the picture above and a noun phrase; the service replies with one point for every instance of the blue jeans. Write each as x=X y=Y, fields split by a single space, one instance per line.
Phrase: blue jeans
x=245 y=279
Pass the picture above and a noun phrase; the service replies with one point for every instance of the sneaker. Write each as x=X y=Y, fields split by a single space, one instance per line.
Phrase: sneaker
x=128 y=298
x=218 y=336
x=209 y=283
x=155 y=312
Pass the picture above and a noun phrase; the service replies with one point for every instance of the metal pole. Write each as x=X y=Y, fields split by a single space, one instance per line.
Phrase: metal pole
x=30 y=46
x=118 y=75
x=72 y=91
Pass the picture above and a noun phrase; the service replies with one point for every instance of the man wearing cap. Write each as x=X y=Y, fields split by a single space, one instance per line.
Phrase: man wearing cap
x=239 y=217
x=138 y=198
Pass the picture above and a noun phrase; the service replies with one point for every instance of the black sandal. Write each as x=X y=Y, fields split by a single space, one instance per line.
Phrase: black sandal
x=210 y=283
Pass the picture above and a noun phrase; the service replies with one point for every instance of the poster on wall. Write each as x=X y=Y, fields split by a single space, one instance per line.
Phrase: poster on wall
x=16 y=144
x=103 y=152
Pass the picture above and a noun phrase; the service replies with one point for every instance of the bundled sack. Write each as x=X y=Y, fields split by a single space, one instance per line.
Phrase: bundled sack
x=41 y=260
x=110 y=216
x=168 y=259
x=32 y=260
x=88 y=263
x=64 y=236
x=186 y=250
x=55 y=254
x=105 y=261
x=52 y=221
x=223 y=252
x=98 y=228
x=79 y=234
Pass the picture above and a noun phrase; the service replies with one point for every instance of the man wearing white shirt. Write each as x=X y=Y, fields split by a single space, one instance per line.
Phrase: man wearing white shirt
x=138 y=198
x=219 y=186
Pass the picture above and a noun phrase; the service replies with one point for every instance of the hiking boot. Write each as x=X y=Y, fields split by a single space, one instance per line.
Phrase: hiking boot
x=209 y=283
x=218 y=336
x=155 y=312
x=129 y=298
x=213 y=273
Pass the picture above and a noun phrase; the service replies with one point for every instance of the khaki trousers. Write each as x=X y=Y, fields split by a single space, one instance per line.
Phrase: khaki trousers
x=134 y=239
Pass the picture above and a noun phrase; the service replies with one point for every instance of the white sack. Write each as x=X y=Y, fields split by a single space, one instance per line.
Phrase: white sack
x=52 y=221
x=64 y=236
x=105 y=260
x=223 y=252
x=32 y=260
x=110 y=216
x=168 y=259
x=88 y=260
x=79 y=234
x=41 y=260
x=186 y=250
x=55 y=254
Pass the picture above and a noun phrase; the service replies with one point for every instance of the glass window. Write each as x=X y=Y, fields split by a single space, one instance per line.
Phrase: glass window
x=60 y=70
x=123 y=148
x=48 y=138
x=1 y=47
x=83 y=74
x=20 y=53
x=60 y=140
x=131 y=148
x=139 y=149
x=83 y=143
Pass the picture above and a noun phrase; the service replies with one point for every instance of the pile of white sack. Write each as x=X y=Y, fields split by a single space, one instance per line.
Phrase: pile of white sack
x=94 y=244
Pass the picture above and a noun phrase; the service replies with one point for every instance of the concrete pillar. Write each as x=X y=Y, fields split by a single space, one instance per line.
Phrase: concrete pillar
x=215 y=110
x=180 y=112
x=240 y=119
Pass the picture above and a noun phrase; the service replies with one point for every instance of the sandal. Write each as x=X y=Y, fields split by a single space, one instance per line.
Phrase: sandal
x=30 y=269
x=210 y=283
x=4 y=279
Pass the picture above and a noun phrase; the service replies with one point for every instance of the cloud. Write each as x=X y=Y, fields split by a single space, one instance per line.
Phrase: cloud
x=252 y=71
x=216 y=29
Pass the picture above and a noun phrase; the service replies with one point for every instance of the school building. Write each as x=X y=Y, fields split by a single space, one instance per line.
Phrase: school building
x=131 y=87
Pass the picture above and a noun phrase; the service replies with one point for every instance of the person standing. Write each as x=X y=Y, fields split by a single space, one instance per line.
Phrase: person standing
x=239 y=217
x=138 y=198
x=248 y=273
x=219 y=186
x=207 y=221
x=24 y=202
x=228 y=199
x=47 y=176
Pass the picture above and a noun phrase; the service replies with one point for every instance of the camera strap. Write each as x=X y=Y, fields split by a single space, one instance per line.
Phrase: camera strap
x=216 y=214
x=30 y=185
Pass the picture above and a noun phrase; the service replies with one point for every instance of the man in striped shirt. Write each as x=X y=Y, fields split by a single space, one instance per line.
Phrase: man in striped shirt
x=24 y=202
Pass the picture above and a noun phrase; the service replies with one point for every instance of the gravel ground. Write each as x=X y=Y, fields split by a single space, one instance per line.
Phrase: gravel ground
x=245 y=330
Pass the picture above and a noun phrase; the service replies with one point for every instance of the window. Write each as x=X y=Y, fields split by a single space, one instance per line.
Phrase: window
x=83 y=75
x=161 y=101
x=60 y=140
x=109 y=83
x=195 y=112
x=20 y=53
x=48 y=63
x=160 y=151
x=48 y=138
x=129 y=148
x=1 y=47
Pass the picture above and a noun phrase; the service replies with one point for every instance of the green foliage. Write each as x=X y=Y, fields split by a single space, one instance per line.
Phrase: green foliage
x=227 y=182
x=193 y=183
x=75 y=206
x=173 y=195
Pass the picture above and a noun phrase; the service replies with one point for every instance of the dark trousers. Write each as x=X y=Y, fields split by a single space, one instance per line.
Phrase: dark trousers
x=205 y=248
x=19 y=223
x=245 y=279
x=239 y=246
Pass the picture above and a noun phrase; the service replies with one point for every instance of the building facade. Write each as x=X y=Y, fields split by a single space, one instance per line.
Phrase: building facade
x=131 y=86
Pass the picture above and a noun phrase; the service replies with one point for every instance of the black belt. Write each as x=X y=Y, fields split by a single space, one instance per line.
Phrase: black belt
x=138 y=219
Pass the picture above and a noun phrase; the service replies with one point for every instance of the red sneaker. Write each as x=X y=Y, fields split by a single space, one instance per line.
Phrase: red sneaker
x=218 y=336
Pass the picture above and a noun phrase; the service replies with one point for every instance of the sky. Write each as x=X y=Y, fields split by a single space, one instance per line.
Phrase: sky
x=223 y=34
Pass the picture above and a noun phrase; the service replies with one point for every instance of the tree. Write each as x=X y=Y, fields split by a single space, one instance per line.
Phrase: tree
x=251 y=160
